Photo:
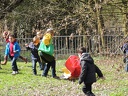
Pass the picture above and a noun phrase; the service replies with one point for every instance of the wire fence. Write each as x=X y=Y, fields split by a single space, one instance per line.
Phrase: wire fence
x=66 y=45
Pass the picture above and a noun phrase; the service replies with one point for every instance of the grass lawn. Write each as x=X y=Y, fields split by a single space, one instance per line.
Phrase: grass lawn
x=26 y=84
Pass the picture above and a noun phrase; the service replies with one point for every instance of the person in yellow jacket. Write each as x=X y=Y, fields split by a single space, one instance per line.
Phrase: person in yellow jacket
x=46 y=51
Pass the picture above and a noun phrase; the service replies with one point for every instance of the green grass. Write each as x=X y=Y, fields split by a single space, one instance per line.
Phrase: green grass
x=26 y=84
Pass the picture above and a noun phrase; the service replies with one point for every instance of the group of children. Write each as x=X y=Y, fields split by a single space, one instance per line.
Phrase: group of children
x=42 y=51
x=13 y=50
x=41 y=55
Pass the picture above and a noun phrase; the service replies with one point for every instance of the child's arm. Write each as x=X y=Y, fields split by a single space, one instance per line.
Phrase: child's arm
x=29 y=46
x=6 y=54
x=16 y=48
x=5 y=60
x=98 y=71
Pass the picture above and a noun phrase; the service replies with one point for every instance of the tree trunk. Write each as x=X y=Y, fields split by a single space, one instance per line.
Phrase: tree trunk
x=125 y=17
x=99 y=24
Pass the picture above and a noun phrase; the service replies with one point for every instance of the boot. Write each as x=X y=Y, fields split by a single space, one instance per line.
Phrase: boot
x=89 y=94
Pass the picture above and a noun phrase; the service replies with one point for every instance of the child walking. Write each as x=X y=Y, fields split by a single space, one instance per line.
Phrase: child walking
x=13 y=51
x=33 y=47
x=46 y=52
x=88 y=70
x=6 y=37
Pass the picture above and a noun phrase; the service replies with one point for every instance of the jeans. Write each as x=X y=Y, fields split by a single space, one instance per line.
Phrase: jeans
x=14 y=64
x=34 y=62
x=47 y=67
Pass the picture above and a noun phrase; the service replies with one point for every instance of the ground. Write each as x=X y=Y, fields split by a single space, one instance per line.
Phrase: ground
x=26 y=84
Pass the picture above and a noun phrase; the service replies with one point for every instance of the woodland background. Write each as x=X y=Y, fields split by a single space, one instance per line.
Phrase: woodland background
x=81 y=17
x=93 y=18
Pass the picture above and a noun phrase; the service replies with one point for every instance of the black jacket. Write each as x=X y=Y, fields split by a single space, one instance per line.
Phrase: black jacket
x=34 y=51
x=88 y=69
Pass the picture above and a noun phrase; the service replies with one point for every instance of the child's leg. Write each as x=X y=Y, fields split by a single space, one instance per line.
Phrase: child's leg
x=46 y=69
x=24 y=59
x=34 y=67
x=53 y=65
x=41 y=65
x=87 y=89
x=14 y=65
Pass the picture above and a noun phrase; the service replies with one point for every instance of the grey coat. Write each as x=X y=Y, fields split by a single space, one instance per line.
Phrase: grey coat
x=88 y=69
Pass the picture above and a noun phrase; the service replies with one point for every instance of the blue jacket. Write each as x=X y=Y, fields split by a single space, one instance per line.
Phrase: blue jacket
x=16 y=48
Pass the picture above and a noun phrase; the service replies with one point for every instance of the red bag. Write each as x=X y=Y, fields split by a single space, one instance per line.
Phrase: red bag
x=73 y=65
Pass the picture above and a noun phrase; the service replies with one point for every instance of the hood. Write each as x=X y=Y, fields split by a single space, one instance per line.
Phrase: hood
x=87 y=57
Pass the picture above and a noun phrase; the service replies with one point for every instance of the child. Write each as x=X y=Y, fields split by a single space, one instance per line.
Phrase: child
x=125 y=51
x=47 y=56
x=13 y=51
x=125 y=48
x=33 y=46
x=88 y=70
x=6 y=37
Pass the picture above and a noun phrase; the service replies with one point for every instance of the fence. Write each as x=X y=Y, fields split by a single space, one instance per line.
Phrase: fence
x=65 y=45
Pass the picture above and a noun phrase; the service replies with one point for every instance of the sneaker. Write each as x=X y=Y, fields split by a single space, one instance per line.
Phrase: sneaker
x=14 y=72
x=56 y=77
x=44 y=75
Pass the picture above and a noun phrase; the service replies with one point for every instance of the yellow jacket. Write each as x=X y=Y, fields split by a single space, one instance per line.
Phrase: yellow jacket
x=47 y=38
